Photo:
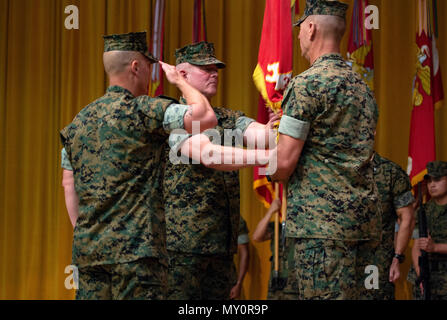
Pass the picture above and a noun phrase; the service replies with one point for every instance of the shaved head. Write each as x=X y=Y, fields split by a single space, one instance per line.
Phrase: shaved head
x=321 y=34
x=329 y=27
x=115 y=62
x=128 y=69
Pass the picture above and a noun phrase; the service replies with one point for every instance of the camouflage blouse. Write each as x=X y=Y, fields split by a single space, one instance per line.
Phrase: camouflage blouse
x=395 y=192
x=331 y=193
x=115 y=146
x=202 y=204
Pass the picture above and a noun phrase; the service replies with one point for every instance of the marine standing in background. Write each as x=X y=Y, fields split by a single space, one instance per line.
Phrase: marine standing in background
x=325 y=145
x=436 y=244
x=115 y=149
x=396 y=200
x=202 y=205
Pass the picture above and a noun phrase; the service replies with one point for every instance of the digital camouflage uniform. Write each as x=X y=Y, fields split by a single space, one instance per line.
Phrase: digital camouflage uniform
x=202 y=210
x=198 y=54
x=394 y=188
x=115 y=146
x=332 y=197
x=65 y=162
x=437 y=228
x=286 y=288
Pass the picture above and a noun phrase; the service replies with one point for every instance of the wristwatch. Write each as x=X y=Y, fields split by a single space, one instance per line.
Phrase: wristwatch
x=399 y=257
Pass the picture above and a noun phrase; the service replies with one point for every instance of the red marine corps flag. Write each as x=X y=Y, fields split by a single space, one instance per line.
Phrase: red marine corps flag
x=427 y=93
x=360 y=49
x=273 y=72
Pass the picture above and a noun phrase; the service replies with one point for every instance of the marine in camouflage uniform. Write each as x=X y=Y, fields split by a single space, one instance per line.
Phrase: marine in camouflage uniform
x=395 y=193
x=437 y=228
x=115 y=147
x=330 y=115
x=202 y=209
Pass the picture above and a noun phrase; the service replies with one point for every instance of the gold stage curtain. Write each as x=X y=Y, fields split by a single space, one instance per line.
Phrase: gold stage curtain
x=48 y=74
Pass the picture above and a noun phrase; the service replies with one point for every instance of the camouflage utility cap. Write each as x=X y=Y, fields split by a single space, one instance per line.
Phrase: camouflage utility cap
x=200 y=54
x=323 y=7
x=134 y=41
x=436 y=169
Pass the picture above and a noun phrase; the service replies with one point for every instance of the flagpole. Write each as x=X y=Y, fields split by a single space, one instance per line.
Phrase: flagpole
x=275 y=53
x=276 y=265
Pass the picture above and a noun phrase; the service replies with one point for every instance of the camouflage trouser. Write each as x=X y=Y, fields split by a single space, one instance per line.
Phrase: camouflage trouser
x=438 y=282
x=200 y=277
x=385 y=292
x=372 y=254
x=411 y=278
x=289 y=292
x=329 y=269
x=144 y=279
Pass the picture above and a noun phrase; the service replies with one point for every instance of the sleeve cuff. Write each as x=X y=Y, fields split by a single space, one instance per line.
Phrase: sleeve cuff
x=243 y=239
x=65 y=162
x=404 y=200
x=415 y=234
x=173 y=117
x=243 y=122
x=176 y=139
x=294 y=128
